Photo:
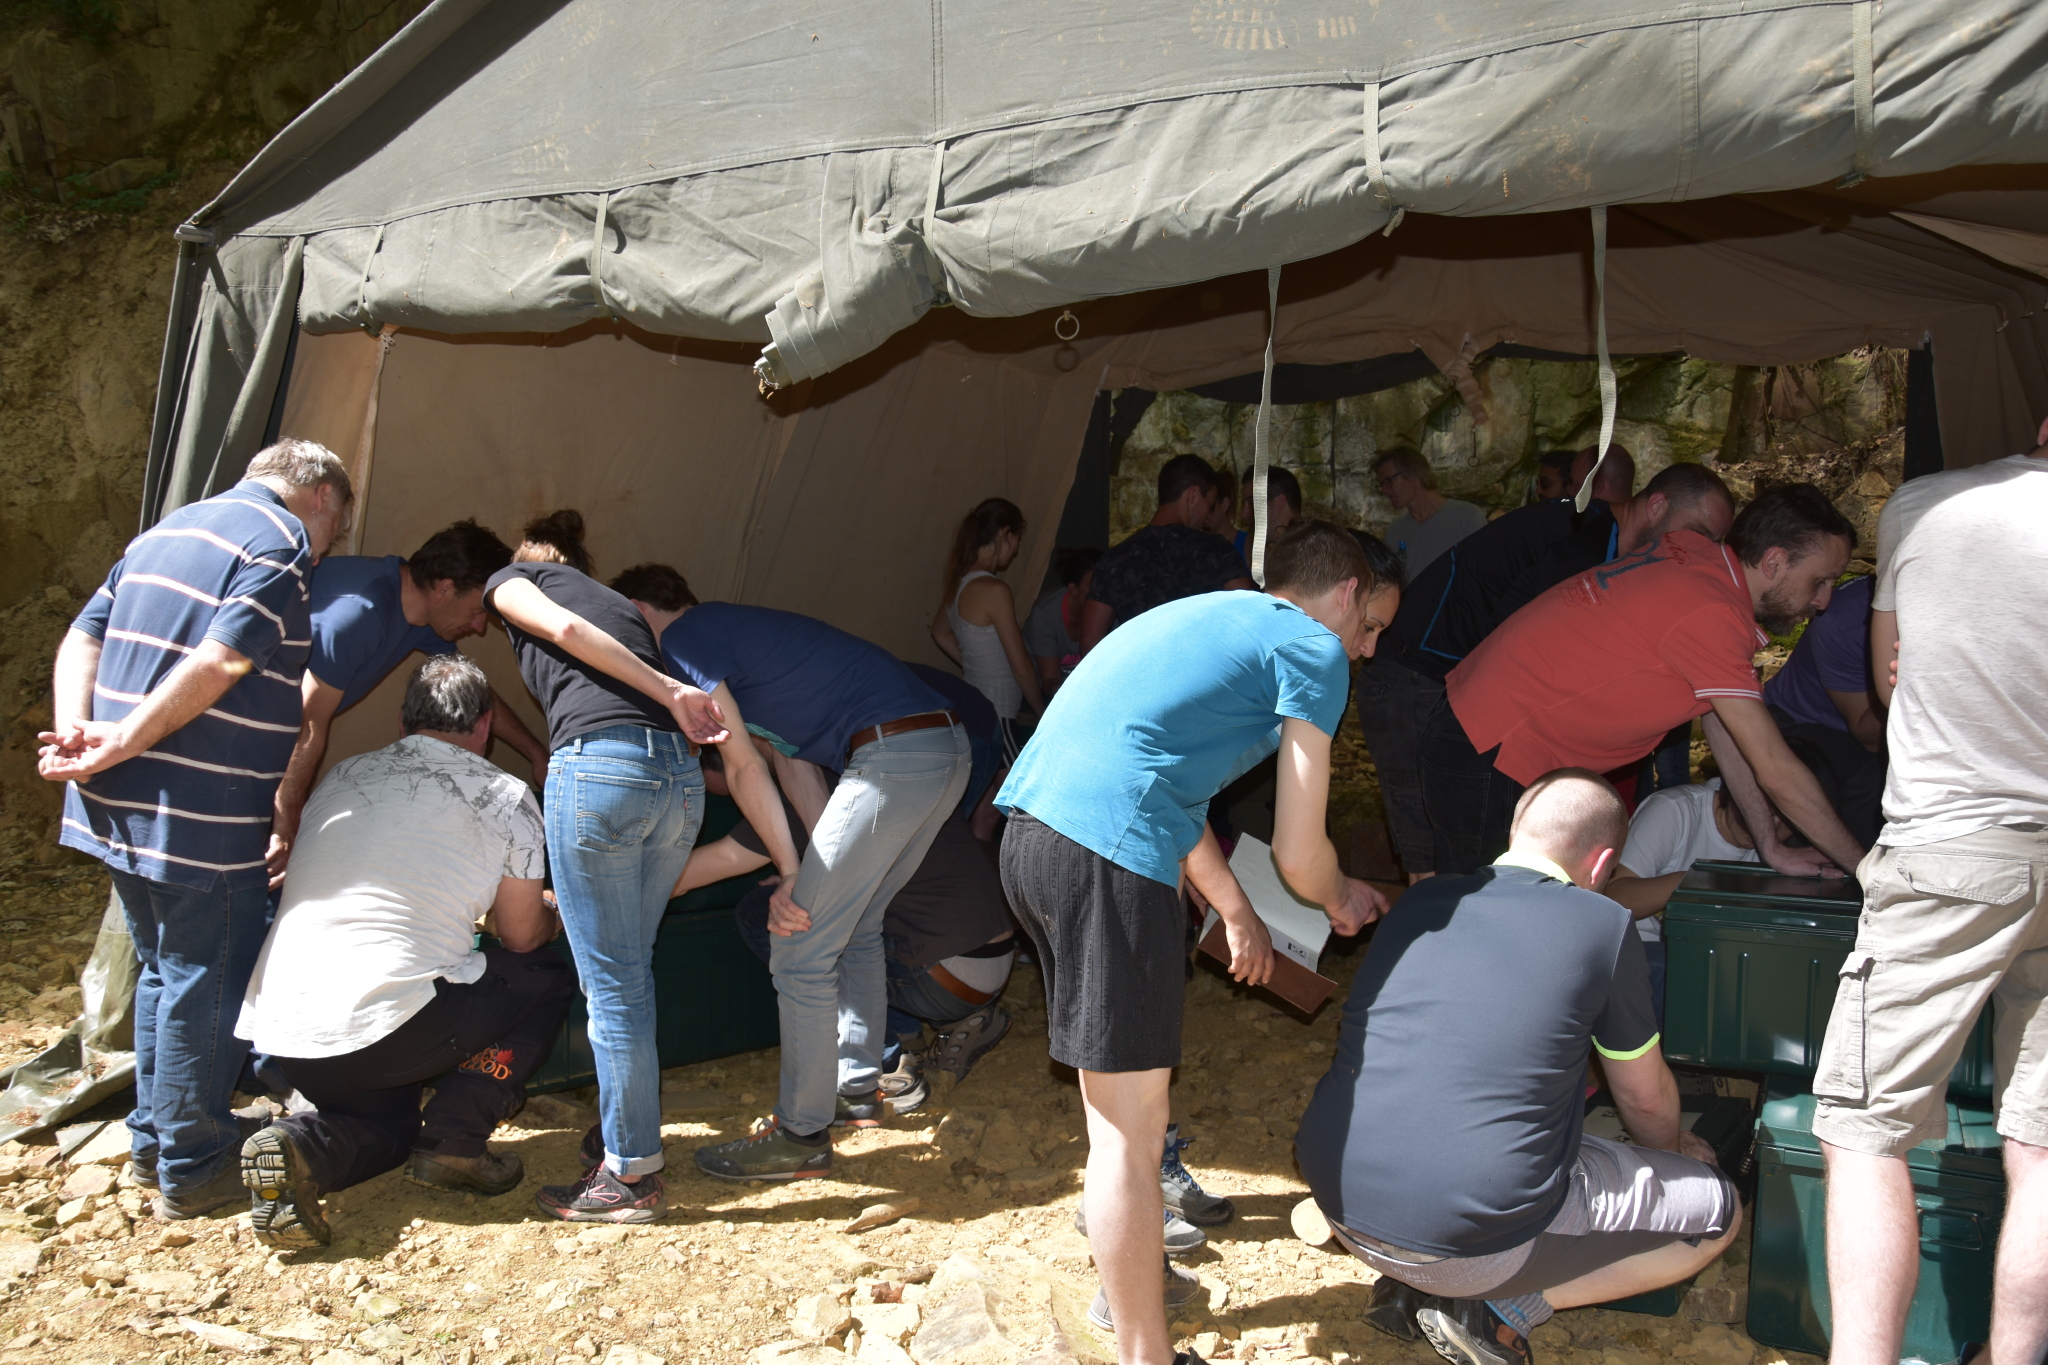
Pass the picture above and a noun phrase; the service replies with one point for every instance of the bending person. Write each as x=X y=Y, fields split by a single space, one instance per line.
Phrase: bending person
x=1445 y=1142
x=624 y=799
x=1107 y=809
x=368 y=986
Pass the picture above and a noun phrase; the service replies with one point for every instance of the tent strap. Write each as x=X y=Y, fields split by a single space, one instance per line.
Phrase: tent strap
x=1375 y=166
x=604 y=201
x=1260 y=458
x=363 y=285
x=366 y=439
x=1607 y=388
x=932 y=268
x=1862 y=60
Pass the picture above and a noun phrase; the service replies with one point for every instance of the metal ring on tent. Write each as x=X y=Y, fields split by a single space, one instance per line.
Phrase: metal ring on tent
x=1066 y=316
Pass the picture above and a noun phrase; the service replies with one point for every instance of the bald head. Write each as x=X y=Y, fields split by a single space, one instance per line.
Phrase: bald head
x=1574 y=818
x=1616 y=483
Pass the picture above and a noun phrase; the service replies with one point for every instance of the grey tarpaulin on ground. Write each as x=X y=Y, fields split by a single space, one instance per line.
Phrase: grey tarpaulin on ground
x=770 y=174
x=95 y=1056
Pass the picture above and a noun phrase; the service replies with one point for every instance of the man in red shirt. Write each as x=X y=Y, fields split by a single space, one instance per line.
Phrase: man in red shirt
x=1597 y=670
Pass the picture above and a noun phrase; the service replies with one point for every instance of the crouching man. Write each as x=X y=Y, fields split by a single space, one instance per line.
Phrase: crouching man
x=1445 y=1143
x=369 y=985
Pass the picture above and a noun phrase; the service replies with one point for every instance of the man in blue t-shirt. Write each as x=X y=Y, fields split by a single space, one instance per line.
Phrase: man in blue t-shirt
x=1108 y=806
x=1827 y=708
x=369 y=615
x=902 y=756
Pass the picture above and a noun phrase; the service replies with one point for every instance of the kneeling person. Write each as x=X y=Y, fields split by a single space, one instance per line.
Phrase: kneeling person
x=1445 y=1144
x=368 y=985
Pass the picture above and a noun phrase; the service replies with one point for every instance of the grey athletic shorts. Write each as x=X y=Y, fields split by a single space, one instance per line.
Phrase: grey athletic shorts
x=1623 y=1201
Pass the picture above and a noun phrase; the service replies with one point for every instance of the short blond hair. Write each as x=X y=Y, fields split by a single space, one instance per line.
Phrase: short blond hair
x=1568 y=813
x=300 y=463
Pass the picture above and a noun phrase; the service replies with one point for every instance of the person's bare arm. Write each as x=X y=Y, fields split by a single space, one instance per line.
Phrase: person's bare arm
x=506 y=725
x=753 y=786
x=1646 y=1097
x=803 y=783
x=1096 y=620
x=521 y=602
x=519 y=917
x=714 y=862
x=318 y=702
x=944 y=638
x=1048 y=672
x=1866 y=722
x=1002 y=612
x=1884 y=655
x=1301 y=848
x=1251 y=946
x=77 y=669
x=185 y=693
x=1787 y=781
x=1641 y=896
x=1755 y=807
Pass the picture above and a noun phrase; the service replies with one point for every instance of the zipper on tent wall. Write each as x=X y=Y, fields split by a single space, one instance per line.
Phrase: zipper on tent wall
x=1862 y=91
x=1260 y=459
x=1607 y=388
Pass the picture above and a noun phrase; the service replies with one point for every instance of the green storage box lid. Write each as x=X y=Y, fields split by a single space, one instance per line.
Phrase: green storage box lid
x=1971 y=1146
x=1758 y=895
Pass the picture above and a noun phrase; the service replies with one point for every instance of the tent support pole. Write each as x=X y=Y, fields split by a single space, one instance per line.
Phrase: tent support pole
x=1261 y=460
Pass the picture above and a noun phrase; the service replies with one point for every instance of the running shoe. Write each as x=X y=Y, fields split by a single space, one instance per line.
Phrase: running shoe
x=1182 y=1193
x=860 y=1111
x=1181 y=1288
x=905 y=1088
x=601 y=1197
x=1467 y=1332
x=1182 y=1237
x=767 y=1153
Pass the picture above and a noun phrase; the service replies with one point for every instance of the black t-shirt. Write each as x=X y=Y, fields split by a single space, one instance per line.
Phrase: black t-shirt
x=1159 y=564
x=1450 y=1118
x=576 y=697
x=1488 y=576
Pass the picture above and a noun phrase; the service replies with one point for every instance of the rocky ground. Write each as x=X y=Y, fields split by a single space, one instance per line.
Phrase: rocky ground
x=983 y=1264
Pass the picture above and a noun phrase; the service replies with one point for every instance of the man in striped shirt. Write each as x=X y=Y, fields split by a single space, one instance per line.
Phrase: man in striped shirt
x=177 y=705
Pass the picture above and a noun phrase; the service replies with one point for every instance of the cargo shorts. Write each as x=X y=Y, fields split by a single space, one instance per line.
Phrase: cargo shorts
x=1945 y=927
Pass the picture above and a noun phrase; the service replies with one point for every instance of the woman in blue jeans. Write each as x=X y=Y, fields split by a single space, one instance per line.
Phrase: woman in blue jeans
x=624 y=800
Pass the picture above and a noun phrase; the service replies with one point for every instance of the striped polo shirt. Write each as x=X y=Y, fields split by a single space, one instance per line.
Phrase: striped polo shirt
x=197 y=806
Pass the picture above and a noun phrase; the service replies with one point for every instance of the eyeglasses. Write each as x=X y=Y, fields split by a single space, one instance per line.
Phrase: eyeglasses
x=1389 y=480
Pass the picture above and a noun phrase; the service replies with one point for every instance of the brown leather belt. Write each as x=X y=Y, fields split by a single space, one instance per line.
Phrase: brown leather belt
x=958 y=987
x=902 y=725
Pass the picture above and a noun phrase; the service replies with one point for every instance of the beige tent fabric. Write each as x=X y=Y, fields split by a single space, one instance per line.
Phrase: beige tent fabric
x=2026 y=250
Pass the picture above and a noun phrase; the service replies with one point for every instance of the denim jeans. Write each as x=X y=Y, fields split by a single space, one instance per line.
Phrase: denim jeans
x=1471 y=802
x=1395 y=704
x=873 y=834
x=623 y=807
x=197 y=950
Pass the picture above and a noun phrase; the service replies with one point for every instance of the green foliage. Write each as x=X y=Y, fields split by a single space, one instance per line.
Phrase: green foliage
x=130 y=200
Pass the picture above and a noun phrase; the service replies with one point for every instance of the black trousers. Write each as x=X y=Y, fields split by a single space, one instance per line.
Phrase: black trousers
x=1471 y=803
x=478 y=1043
x=1850 y=775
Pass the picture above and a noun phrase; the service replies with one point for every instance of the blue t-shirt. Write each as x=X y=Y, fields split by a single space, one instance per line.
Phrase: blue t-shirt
x=1833 y=653
x=812 y=684
x=1171 y=707
x=359 y=628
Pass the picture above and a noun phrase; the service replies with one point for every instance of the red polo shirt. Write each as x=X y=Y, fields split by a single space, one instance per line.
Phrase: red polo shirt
x=1597 y=670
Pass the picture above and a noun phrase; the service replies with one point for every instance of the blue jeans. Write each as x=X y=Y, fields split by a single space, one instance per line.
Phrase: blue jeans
x=916 y=999
x=623 y=807
x=197 y=950
x=872 y=837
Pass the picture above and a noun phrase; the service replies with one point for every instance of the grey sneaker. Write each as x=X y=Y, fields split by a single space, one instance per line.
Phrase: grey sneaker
x=861 y=1111
x=1181 y=1289
x=958 y=1048
x=1182 y=1237
x=767 y=1153
x=1467 y=1332
x=1183 y=1195
x=284 y=1204
x=905 y=1087
x=491 y=1173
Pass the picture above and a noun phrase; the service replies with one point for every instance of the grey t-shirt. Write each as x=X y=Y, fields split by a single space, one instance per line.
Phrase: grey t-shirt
x=1045 y=629
x=1962 y=557
x=1419 y=542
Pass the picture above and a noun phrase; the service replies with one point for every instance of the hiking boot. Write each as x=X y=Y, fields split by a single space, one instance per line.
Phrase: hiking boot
x=1392 y=1306
x=225 y=1192
x=143 y=1173
x=860 y=1111
x=1182 y=1238
x=766 y=1153
x=956 y=1050
x=590 y=1152
x=601 y=1197
x=284 y=1204
x=905 y=1087
x=1181 y=1289
x=1467 y=1332
x=1182 y=1194
x=490 y=1173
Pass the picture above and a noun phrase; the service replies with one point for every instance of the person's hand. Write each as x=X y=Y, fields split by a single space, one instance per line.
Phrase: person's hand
x=1251 y=949
x=1696 y=1147
x=279 y=853
x=82 y=749
x=1361 y=905
x=1894 y=668
x=1801 y=862
x=785 y=916
x=697 y=713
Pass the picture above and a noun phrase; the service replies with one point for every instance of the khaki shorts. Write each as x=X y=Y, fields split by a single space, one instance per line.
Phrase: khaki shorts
x=1945 y=927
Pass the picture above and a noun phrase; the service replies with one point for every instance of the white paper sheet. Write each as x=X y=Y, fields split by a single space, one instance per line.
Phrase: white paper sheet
x=1299 y=928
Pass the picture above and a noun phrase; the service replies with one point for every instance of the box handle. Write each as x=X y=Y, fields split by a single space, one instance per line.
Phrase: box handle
x=1949 y=1227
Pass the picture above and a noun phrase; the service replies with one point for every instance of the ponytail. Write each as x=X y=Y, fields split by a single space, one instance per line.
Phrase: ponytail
x=556 y=538
x=980 y=527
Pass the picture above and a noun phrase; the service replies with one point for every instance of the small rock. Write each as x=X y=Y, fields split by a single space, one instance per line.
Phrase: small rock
x=175 y=1237
x=664 y=1320
x=959 y=1133
x=19 y=1256
x=385 y=1336
x=1720 y=1346
x=1716 y=1303
x=603 y=1234
x=622 y=1354
x=310 y=1328
x=875 y=1215
x=92 y=1272
x=1033 y=1179
x=817 y=1317
x=225 y=1338
x=172 y=1284
x=74 y=1211
x=379 y=1307
x=87 y=1181
x=1309 y=1224
x=959 y=1331
x=852 y=1262
x=586 y=1348
x=1207 y=1345
x=882 y=1351
x=896 y=1321
x=108 y=1147
x=1004 y=1147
